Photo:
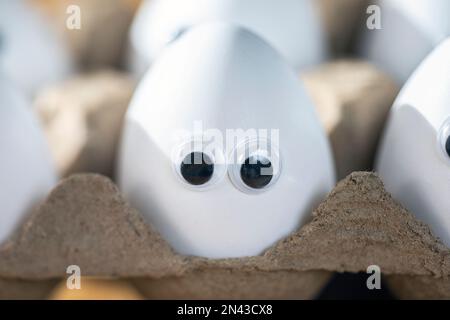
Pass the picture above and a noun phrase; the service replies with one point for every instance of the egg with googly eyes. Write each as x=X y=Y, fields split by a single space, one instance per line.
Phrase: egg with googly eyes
x=222 y=149
x=31 y=53
x=293 y=27
x=26 y=170
x=414 y=156
x=410 y=30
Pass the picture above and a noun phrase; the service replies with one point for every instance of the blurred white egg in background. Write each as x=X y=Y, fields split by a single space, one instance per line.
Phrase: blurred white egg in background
x=293 y=27
x=26 y=169
x=31 y=53
x=410 y=31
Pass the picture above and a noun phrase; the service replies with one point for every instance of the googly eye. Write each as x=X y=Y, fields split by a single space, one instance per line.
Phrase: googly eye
x=447 y=146
x=444 y=139
x=257 y=172
x=255 y=166
x=198 y=166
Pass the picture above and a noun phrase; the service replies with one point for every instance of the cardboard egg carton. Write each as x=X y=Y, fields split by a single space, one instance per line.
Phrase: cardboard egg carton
x=85 y=221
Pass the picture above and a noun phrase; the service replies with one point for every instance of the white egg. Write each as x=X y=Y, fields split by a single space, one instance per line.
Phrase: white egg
x=414 y=158
x=292 y=27
x=224 y=92
x=410 y=31
x=26 y=170
x=31 y=54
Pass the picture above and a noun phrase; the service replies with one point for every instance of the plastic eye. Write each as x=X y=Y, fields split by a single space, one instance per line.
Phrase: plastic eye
x=444 y=139
x=255 y=166
x=197 y=168
x=447 y=146
x=257 y=172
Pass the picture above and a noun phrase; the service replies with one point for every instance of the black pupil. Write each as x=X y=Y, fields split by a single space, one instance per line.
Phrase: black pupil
x=257 y=172
x=447 y=146
x=197 y=168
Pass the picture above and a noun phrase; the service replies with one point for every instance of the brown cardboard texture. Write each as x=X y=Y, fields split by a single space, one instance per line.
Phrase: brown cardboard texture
x=86 y=222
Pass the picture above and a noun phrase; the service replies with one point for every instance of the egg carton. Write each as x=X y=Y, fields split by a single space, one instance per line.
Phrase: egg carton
x=85 y=221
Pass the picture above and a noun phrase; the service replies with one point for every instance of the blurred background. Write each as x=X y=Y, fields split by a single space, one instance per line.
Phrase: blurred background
x=81 y=105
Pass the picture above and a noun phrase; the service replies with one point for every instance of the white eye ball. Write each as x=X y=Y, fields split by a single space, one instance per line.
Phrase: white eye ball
x=198 y=166
x=255 y=166
x=444 y=139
